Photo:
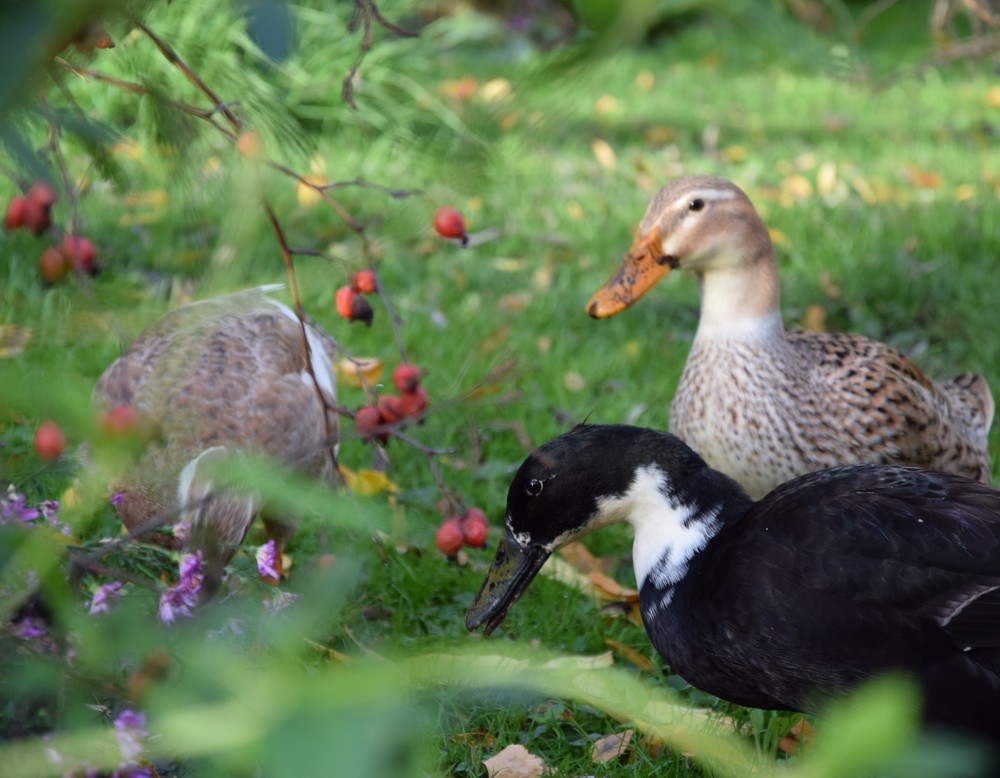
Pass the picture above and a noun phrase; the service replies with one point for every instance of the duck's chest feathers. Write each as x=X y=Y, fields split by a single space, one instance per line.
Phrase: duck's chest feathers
x=736 y=404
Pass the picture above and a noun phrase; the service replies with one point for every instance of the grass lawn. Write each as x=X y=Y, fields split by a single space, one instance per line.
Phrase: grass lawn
x=882 y=195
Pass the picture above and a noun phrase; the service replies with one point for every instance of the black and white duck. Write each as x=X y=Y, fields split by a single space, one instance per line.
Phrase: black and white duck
x=763 y=404
x=213 y=379
x=789 y=601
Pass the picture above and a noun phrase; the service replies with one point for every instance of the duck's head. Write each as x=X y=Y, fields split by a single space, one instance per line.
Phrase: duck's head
x=218 y=516
x=697 y=223
x=584 y=479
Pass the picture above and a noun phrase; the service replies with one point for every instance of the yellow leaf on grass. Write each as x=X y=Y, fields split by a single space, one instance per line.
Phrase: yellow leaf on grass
x=645 y=80
x=306 y=194
x=815 y=318
x=604 y=154
x=595 y=583
x=734 y=153
x=497 y=90
x=607 y=104
x=575 y=210
x=610 y=747
x=13 y=339
x=515 y=761
x=459 y=89
x=358 y=371
x=826 y=179
x=778 y=238
x=368 y=482
x=965 y=192
x=993 y=96
x=574 y=381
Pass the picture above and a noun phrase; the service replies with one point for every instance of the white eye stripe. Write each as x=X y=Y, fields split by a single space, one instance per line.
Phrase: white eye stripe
x=709 y=195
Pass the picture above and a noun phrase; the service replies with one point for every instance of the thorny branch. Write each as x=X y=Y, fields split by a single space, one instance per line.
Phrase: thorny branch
x=364 y=12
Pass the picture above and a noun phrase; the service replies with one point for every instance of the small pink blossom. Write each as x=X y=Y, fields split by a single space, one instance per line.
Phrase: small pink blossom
x=180 y=598
x=105 y=595
x=267 y=560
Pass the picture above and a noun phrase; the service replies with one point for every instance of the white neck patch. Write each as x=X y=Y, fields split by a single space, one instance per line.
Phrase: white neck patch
x=667 y=533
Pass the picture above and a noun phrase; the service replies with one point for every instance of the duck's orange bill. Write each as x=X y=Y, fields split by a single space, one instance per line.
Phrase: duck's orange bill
x=641 y=268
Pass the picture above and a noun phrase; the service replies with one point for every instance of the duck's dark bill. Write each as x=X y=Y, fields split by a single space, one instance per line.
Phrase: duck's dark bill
x=512 y=570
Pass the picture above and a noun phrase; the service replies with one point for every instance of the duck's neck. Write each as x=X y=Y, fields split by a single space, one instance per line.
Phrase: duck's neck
x=670 y=528
x=741 y=299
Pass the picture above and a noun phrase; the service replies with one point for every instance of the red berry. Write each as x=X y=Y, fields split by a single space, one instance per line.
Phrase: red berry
x=79 y=253
x=474 y=531
x=361 y=310
x=448 y=222
x=389 y=408
x=474 y=514
x=449 y=537
x=120 y=420
x=345 y=295
x=412 y=403
x=406 y=377
x=52 y=265
x=364 y=281
x=367 y=419
x=49 y=441
x=42 y=194
x=104 y=42
x=15 y=213
x=37 y=218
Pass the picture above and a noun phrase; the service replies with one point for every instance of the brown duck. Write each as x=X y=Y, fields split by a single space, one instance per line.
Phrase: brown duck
x=214 y=379
x=764 y=405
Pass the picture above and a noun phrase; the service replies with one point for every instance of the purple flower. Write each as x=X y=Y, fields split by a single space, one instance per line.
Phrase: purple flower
x=29 y=627
x=50 y=509
x=105 y=595
x=130 y=726
x=182 y=530
x=180 y=598
x=12 y=507
x=267 y=560
x=116 y=498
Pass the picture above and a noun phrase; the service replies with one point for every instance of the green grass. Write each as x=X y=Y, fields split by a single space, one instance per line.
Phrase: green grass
x=500 y=329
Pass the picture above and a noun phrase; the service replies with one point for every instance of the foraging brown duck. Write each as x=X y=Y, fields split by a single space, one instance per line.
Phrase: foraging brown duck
x=213 y=379
x=763 y=404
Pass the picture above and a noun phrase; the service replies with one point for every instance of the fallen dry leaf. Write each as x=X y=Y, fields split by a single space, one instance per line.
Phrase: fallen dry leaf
x=578 y=555
x=640 y=660
x=610 y=589
x=515 y=761
x=800 y=737
x=358 y=371
x=604 y=154
x=610 y=747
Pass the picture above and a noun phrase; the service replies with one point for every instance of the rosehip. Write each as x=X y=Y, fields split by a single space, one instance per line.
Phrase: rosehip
x=406 y=377
x=476 y=514
x=42 y=194
x=364 y=281
x=79 y=253
x=474 y=531
x=448 y=223
x=104 y=42
x=37 y=218
x=52 y=265
x=361 y=310
x=389 y=408
x=367 y=420
x=49 y=441
x=345 y=295
x=412 y=403
x=15 y=213
x=449 y=537
x=120 y=420
x=248 y=144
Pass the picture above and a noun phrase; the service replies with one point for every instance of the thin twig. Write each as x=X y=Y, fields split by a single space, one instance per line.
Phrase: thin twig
x=330 y=417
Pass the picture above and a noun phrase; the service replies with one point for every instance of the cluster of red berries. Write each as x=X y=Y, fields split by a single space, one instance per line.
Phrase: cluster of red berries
x=350 y=302
x=33 y=211
x=391 y=408
x=469 y=529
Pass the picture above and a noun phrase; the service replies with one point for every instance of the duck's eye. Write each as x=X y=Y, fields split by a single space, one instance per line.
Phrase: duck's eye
x=534 y=487
x=696 y=205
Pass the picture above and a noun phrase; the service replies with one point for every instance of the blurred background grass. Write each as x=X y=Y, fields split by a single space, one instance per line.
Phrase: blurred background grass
x=872 y=158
